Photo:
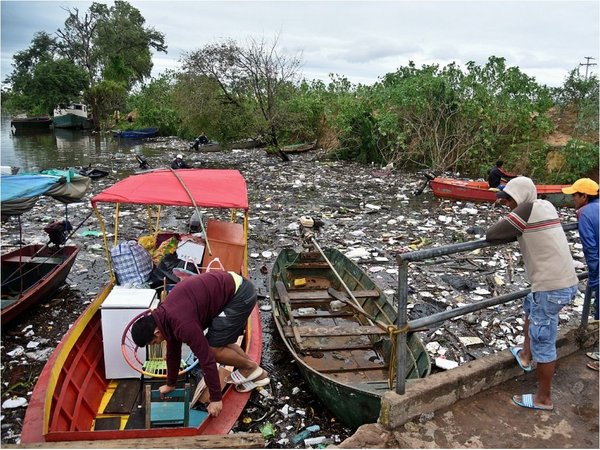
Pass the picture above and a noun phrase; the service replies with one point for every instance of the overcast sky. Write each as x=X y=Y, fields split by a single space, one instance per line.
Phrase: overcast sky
x=360 y=40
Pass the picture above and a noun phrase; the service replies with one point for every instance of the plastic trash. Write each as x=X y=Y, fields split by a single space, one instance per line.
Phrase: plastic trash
x=268 y=431
x=94 y=233
x=314 y=441
x=304 y=434
x=195 y=225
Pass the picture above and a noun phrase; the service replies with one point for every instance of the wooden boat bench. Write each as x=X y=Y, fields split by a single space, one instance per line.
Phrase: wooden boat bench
x=322 y=296
x=364 y=330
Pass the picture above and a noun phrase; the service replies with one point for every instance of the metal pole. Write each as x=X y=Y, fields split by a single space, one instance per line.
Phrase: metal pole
x=435 y=252
x=586 y=305
x=424 y=322
x=401 y=323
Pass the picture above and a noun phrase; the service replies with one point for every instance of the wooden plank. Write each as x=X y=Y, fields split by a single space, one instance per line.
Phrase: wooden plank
x=335 y=331
x=283 y=296
x=124 y=397
x=322 y=294
x=235 y=440
x=336 y=346
x=107 y=423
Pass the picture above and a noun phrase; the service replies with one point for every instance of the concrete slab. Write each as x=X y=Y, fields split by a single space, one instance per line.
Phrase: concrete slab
x=471 y=406
x=491 y=420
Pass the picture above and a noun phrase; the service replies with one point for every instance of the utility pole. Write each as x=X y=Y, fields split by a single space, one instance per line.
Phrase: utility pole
x=587 y=65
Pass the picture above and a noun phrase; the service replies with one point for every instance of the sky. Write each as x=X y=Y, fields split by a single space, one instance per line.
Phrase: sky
x=357 y=39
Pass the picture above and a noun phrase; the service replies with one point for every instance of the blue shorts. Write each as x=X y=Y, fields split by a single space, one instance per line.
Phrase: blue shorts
x=542 y=309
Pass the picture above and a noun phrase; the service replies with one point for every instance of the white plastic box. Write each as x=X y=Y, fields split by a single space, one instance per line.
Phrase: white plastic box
x=117 y=310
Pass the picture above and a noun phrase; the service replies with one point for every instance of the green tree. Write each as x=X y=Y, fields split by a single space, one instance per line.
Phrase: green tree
x=155 y=105
x=257 y=78
x=42 y=78
x=104 y=99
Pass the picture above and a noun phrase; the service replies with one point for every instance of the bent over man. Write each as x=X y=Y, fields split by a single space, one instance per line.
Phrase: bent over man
x=220 y=302
x=551 y=272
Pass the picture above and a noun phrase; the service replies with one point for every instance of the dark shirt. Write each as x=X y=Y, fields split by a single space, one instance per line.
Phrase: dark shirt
x=179 y=164
x=189 y=310
x=496 y=175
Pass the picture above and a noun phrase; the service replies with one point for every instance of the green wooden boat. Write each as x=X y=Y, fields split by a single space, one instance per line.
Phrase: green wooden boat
x=340 y=345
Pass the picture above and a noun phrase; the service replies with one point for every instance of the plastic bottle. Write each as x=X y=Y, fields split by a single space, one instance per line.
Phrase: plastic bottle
x=304 y=434
x=195 y=222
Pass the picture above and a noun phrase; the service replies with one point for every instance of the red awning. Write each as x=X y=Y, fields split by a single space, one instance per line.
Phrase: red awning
x=209 y=187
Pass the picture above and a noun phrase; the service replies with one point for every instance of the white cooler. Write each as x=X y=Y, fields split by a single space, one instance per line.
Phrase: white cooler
x=117 y=310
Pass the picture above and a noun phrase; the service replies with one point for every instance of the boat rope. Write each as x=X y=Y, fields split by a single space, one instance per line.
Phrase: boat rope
x=195 y=206
x=393 y=332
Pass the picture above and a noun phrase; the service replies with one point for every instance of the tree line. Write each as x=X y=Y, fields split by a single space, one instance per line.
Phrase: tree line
x=438 y=118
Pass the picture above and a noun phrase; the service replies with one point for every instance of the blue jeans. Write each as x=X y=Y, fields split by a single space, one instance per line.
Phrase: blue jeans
x=542 y=309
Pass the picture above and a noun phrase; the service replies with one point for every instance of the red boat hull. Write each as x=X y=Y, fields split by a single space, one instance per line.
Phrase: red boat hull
x=68 y=393
x=478 y=191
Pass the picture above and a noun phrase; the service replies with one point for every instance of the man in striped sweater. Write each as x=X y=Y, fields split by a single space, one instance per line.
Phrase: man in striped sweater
x=551 y=272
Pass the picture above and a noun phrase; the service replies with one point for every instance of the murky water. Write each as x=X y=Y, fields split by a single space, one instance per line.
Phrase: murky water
x=58 y=148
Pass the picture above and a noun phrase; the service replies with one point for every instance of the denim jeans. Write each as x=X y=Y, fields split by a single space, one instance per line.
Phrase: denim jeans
x=542 y=309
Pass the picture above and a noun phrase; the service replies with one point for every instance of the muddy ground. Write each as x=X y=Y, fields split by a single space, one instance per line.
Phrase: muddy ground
x=370 y=213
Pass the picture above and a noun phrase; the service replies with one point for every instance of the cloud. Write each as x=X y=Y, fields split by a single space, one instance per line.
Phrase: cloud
x=358 y=39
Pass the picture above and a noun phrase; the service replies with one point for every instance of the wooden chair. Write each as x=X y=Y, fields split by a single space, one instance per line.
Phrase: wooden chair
x=226 y=241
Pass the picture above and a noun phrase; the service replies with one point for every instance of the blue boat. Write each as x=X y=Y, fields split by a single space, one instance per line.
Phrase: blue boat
x=137 y=134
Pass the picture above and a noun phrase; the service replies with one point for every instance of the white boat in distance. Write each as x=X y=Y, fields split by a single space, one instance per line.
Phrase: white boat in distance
x=74 y=115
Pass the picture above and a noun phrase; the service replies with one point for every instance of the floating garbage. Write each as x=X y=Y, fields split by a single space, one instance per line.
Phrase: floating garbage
x=304 y=434
x=267 y=430
x=16 y=402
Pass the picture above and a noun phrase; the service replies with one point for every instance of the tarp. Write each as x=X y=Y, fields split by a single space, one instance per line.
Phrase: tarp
x=210 y=188
x=19 y=193
x=25 y=186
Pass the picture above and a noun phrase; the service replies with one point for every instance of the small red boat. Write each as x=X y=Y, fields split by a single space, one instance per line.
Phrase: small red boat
x=75 y=397
x=32 y=273
x=478 y=191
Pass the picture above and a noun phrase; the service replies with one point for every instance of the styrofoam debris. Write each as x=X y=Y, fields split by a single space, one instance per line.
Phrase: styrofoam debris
x=16 y=402
x=445 y=364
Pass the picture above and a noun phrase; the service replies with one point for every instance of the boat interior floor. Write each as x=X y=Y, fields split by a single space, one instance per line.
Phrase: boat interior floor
x=341 y=343
x=127 y=406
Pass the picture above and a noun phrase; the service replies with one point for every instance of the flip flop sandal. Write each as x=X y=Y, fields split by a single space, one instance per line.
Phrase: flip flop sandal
x=594 y=355
x=249 y=385
x=594 y=366
x=515 y=351
x=527 y=402
x=236 y=376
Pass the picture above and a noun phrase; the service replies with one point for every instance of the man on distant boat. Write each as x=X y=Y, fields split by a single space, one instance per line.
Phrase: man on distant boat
x=200 y=141
x=549 y=265
x=497 y=174
x=220 y=302
x=179 y=163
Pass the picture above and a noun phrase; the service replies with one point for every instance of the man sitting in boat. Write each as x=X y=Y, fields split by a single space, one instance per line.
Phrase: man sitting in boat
x=179 y=163
x=199 y=141
x=220 y=302
x=496 y=175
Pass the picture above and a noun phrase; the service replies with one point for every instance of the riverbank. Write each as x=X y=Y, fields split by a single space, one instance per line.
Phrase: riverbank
x=368 y=212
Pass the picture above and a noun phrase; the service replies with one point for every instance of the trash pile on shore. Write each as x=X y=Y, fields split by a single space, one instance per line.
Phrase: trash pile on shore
x=371 y=215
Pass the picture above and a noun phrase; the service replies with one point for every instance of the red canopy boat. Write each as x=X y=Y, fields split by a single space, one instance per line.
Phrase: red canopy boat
x=478 y=191
x=71 y=397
